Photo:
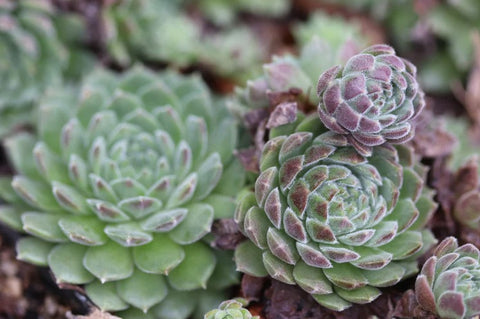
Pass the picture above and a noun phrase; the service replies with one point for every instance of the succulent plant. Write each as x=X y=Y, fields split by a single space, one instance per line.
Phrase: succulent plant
x=448 y=285
x=149 y=30
x=226 y=53
x=372 y=99
x=30 y=43
x=121 y=188
x=454 y=22
x=226 y=12
x=231 y=309
x=300 y=73
x=159 y=31
x=330 y=220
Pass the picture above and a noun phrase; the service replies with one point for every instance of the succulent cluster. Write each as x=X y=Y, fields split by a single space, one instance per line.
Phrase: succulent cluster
x=454 y=22
x=372 y=99
x=231 y=309
x=32 y=36
x=120 y=188
x=330 y=220
x=29 y=41
x=448 y=285
x=160 y=31
x=127 y=183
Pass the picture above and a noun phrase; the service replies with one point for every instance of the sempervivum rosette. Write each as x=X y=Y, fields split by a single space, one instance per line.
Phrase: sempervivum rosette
x=372 y=100
x=121 y=188
x=231 y=309
x=330 y=220
x=31 y=57
x=449 y=283
x=298 y=75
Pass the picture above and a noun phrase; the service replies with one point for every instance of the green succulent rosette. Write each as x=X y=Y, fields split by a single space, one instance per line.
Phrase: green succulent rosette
x=300 y=73
x=30 y=59
x=149 y=30
x=454 y=22
x=226 y=54
x=121 y=188
x=231 y=309
x=335 y=223
x=161 y=31
x=448 y=285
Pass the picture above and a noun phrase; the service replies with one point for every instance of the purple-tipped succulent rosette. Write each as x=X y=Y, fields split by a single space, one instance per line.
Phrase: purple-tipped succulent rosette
x=372 y=99
x=449 y=283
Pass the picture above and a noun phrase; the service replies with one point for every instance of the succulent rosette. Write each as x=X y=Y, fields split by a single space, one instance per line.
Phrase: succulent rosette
x=121 y=188
x=338 y=224
x=448 y=285
x=149 y=30
x=372 y=99
x=298 y=75
x=30 y=58
x=231 y=309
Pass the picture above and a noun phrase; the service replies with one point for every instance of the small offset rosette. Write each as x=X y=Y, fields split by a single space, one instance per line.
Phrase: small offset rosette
x=372 y=99
x=449 y=284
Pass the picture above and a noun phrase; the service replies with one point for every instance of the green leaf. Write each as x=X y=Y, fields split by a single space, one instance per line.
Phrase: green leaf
x=184 y=192
x=49 y=164
x=177 y=305
x=109 y=262
x=124 y=103
x=232 y=180
x=195 y=270
x=142 y=290
x=85 y=230
x=223 y=206
x=11 y=217
x=182 y=160
x=78 y=173
x=159 y=256
x=196 y=136
x=361 y=295
x=223 y=140
x=65 y=261
x=196 y=224
x=170 y=121
x=102 y=189
x=101 y=125
x=385 y=277
x=44 y=225
x=209 y=174
x=311 y=279
x=140 y=206
x=248 y=259
x=106 y=211
x=72 y=139
x=69 y=198
x=346 y=276
x=105 y=296
x=52 y=117
x=404 y=245
x=164 y=221
x=35 y=193
x=92 y=102
x=278 y=269
x=332 y=301
x=128 y=234
x=34 y=250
